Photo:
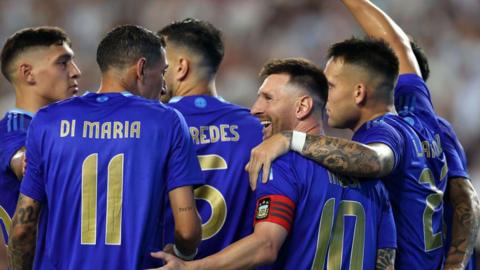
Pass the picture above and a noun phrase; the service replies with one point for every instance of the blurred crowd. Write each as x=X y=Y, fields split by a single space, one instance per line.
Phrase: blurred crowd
x=256 y=30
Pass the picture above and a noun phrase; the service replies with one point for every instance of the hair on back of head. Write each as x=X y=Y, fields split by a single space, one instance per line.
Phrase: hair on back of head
x=126 y=44
x=302 y=73
x=422 y=60
x=375 y=56
x=29 y=38
x=200 y=37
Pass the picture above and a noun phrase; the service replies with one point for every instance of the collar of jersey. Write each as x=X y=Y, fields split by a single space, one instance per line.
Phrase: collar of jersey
x=17 y=110
x=176 y=99
x=124 y=93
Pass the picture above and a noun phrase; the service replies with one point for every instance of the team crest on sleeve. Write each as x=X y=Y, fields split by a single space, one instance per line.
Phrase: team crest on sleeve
x=263 y=209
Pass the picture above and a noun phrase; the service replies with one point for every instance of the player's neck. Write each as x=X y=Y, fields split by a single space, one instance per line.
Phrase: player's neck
x=370 y=114
x=310 y=126
x=113 y=85
x=207 y=88
x=26 y=100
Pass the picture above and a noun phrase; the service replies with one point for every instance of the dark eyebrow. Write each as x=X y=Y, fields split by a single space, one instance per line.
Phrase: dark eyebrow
x=64 y=57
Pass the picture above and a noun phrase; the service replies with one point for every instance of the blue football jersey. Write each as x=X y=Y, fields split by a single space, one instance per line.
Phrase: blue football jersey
x=457 y=168
x=101 y=165
x=224 y=134
x=13 y=132
x=333 y=222
x=416 y=186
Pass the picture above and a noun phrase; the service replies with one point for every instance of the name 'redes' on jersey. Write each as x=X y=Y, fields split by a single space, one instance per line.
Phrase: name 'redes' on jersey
x=416 y=186
x=457 y=168
x=333 y=222
x=13 y=132
x=224 y=134
x=102 y=165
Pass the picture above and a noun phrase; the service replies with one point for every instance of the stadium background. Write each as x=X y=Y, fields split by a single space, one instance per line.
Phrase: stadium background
x=256 y=30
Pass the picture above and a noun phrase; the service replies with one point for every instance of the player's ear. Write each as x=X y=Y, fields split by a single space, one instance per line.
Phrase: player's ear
x=360 y=93
x=25 y=73
x=140 y=68
x=182 y=69
x=304 y=106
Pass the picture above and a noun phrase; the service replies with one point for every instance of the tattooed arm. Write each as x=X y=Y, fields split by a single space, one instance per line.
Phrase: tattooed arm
x=17 y=163
x=385 y=259
x=23 y=234
x=466 y=221
x=188 y=230
x=3 y=252
x=339 y=155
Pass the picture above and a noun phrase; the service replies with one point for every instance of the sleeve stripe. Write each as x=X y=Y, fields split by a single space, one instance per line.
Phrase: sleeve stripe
x=284 y=207
x=280 y=210
x=286 y=218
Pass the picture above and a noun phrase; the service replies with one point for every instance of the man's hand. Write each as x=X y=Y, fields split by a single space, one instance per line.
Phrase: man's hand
x=171 y=262
x=168 y=249
x=263 y=155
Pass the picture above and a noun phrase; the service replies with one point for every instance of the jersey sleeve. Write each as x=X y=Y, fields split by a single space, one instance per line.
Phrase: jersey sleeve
x=277 y=199
x=183 y=167
x=387 y=233
x=33 y=183
x=379 y=132
x=456 y=158
x=9 y=146
x=412 y=97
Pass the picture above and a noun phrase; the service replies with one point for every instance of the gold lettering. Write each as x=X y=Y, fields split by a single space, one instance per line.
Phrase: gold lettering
x=106 y=130
x=223 y=133
x=117 y=130
x=233 y=130
x=135 y=129
x=125 y=128
x=194 y=133
x=64 y=128
x=214 y=134
x=73 y=128
x=93 y=129
x=426 y=148
x=203 y=136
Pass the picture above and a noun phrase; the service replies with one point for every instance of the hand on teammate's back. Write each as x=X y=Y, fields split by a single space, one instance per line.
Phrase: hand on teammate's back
x=263 y=155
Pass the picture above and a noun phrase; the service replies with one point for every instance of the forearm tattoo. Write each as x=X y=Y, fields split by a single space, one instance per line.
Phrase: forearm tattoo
x=21 y=246
x=385 y=259
x=465 y=223
x=343 y=156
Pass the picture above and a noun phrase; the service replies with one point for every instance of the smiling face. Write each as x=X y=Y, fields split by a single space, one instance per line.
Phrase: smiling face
x=342 y=109
x=275 y=105
x=54 y=73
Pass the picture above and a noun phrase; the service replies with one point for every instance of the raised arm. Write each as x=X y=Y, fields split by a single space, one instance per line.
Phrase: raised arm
x=339 y=155
x=466 y=221
x=23 y=234
x=188 y=230
x=259 y=248
x=377 y=24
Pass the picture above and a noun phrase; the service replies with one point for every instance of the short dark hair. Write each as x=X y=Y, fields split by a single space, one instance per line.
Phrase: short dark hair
x=201 y=37
x=28 y=38
x=375 y=56
x=421 y=60
x=125 y=44
x=302 y=73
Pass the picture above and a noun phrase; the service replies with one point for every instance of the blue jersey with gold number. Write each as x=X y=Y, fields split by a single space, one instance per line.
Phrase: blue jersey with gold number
x=418 y=180
x=416 y=186
x=101 y=166
x=13 y=131
x=332 y=222
x=457 y=168
x=224 y=134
